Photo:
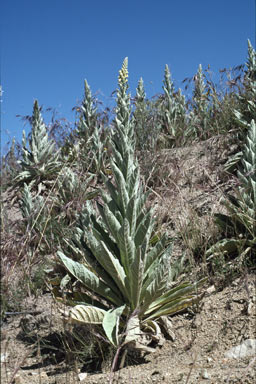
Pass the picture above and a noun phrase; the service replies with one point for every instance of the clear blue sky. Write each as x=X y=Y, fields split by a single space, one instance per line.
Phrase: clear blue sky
x=48 y=48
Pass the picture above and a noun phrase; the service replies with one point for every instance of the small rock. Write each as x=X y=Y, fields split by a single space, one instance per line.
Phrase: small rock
x=4 y=357
x=249 y=308
x=197 y=322
x=43 y=376
x=82 y=376
x=209 y=359
x=211 y=289
x=205 y=374
x=168 y=327
x=247 y=348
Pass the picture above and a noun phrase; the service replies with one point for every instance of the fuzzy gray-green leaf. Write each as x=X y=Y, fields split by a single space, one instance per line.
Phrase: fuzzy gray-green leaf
x=111 y=324
x=89 y=279
x=84 y=314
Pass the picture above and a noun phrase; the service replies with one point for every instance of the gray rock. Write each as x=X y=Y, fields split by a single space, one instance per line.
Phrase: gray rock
x=4 y=357
x=247 y=348
x=205 y=374
x=82 y=376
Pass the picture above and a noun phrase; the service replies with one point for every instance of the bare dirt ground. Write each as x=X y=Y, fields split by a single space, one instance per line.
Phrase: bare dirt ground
x=188 y=185
x=197 y=354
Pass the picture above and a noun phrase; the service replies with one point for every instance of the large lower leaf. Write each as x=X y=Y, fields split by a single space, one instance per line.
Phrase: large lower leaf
x=127 y=246
x=115 y=270
x=111 y=324
x=155 y=253
x=136 y=279
x=156 y=282
x=89 y=279
x=112 y=272
x=175 y=306
x=87 y=314
x=183 y=291
x=72 y=298
x=226 y=245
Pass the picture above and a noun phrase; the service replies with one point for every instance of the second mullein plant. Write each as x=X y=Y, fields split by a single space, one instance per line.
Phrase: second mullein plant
x=125 y=278
x=41 y=161
x=92 y=142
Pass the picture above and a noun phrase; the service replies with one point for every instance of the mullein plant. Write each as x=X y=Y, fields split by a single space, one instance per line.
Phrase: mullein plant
x=173 y=114
x=199 y=93
x=33 y=212
x=199 y=116
x=99 y=147
x=181 y=117
x=121 y=279
x=181 y=105
x=247 y=101
x=239 y=224
x=88 y=115
x=72 y=192
x=92 y=143
x=40 y=162
x=141 y=129
x=169 y=112
x=79 y=151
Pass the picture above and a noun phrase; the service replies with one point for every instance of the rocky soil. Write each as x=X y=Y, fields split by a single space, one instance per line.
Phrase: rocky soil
x=198 y=354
